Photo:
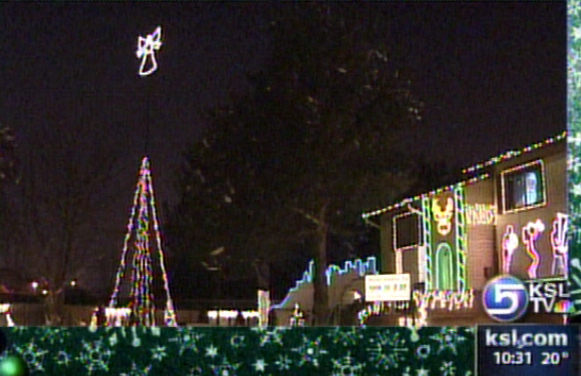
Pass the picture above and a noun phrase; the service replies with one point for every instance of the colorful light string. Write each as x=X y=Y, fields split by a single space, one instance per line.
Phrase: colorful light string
x=424 y=302
x=515 y=153
x=427 y=235
x=413 y=199
x=140 y=295
x=461 y=238
x=476 y=167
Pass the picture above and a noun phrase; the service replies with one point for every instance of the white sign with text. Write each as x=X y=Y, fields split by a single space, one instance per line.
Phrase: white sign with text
x=387 y=288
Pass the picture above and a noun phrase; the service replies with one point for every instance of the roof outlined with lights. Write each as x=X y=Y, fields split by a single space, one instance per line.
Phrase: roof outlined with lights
x=474 y=168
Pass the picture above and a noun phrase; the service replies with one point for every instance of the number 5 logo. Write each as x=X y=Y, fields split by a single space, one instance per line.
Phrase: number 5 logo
x=505 y=298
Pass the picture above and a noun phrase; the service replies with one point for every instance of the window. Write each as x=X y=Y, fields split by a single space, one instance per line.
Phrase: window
x=406 y=230
x=523 y=187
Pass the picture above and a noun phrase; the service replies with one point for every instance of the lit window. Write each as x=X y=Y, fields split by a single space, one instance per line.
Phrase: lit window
x=523 y=187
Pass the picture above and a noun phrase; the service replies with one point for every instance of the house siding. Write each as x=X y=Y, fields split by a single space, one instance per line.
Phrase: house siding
x=481 y=237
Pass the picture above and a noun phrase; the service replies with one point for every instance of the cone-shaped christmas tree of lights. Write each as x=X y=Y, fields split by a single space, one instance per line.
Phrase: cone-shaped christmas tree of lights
x=141 y=259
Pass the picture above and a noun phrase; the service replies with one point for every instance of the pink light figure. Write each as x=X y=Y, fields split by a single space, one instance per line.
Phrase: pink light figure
x=560 y=245
x=530 y=234
x=509 y=245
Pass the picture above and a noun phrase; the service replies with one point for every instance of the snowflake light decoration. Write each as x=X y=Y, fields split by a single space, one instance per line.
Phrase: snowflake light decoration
x=387 y=350
x=33 y=356
x=187 y=340
x=95 y=357
x=346 y=367
x=310 y=351
x=62 y=358
x=448 y=339
x=135 y=371
x=259 y=365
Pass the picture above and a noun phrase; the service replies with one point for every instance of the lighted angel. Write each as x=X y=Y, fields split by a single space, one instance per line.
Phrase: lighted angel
x=530 y=234
x=509 y=245
x=560 y=245
x=146 y=48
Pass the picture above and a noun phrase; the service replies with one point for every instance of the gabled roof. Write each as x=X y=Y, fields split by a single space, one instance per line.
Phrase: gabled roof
x=428 y=194
x=514 y=153
x=492 y=161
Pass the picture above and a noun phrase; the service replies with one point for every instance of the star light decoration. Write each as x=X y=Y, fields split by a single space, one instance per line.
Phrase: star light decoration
x=146 y=48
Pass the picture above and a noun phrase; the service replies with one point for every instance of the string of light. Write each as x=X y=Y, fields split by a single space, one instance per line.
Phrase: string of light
x=410 y=200
x=514 y=153
x=141 y=296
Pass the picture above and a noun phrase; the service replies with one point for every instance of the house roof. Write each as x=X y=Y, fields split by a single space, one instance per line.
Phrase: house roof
x=477 y=167
x=428 y=194
x=514 y=153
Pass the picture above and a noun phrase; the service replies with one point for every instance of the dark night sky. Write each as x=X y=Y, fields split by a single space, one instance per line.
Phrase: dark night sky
x=491 y=75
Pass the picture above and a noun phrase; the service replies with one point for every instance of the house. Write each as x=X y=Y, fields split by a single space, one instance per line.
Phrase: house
x=507 y=216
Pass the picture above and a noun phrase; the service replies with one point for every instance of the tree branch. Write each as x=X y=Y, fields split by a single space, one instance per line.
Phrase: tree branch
x=308 y=216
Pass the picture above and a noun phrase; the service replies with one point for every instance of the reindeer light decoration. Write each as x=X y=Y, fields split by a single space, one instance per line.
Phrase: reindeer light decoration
x=146 y=48
x=509 y=245
x=443 y=217
x=530 y=234
x=560 y=245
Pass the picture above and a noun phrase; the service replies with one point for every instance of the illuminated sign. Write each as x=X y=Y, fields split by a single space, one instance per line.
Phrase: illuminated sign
x=146 y=48
x=548 y=296
x=480 y=214
x=387 y=287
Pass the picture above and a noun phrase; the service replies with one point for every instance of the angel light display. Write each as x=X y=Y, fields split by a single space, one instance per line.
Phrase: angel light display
x=146 y=48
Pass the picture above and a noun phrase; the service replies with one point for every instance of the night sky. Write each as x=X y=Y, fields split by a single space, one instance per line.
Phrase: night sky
x=491 y=75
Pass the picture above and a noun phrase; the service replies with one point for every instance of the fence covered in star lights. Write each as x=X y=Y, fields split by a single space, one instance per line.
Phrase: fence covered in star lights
x=139 y=271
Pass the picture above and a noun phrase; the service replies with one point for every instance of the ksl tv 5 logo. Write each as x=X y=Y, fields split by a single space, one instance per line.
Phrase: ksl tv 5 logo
x=506 y=298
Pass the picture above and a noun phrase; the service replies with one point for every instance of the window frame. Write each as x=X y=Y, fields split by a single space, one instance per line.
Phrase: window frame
x=515 y=170
x=394 y=231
